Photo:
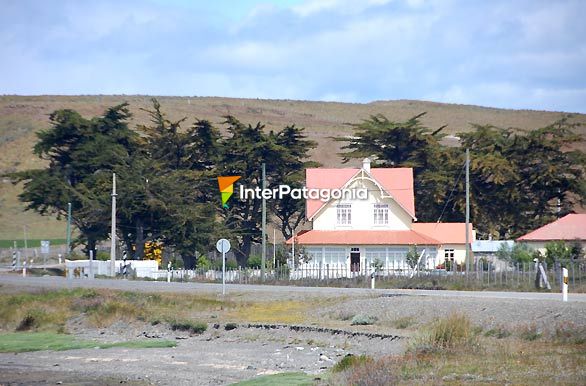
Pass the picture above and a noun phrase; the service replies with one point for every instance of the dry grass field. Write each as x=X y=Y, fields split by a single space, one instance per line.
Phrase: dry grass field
x=22 y=116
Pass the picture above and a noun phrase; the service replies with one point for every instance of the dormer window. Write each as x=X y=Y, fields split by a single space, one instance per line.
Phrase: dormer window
x=344 y=214
x=381 y=214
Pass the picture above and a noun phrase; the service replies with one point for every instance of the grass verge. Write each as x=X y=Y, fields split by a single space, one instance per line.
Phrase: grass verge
x=282 y=379
x=36 y=341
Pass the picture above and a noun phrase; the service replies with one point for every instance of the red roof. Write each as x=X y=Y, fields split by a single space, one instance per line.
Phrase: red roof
x=363 y=237
x=398 y=182
x=569 y=227
x=445 y=233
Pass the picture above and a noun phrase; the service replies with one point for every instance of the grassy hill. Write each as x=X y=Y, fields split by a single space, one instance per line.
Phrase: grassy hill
x=22 y=116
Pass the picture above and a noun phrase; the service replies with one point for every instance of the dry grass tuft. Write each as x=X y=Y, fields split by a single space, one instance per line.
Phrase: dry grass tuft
x=455 y=332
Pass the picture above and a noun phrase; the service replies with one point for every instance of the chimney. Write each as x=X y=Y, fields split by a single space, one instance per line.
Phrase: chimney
x=366 y=164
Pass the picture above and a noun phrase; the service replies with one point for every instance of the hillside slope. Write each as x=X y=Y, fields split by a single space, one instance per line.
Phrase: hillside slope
x=22 y=116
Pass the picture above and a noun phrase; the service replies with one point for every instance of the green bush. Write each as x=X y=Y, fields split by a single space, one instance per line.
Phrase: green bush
x=102 y=255
x=188 y=325
x=254 y=261
x=203 y=262
x=231 y=263
x=350 y=361
x=362 y=320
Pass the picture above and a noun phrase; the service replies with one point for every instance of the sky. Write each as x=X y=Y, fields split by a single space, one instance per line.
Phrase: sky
x=519 y=54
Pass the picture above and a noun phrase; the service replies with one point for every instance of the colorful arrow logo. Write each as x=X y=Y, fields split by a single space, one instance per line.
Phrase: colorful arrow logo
x=226 y=185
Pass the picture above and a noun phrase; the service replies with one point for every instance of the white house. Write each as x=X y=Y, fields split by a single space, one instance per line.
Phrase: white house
x=355 y=232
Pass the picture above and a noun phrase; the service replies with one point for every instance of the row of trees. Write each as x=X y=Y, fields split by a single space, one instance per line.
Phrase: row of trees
x=167 y=187
x=168 y=190
x=519 y=180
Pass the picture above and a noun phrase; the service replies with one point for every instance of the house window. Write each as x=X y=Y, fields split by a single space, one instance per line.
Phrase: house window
x=334 y=256
x=381 y=214
x=449 y=253
x=344 y=214
x=314 y=255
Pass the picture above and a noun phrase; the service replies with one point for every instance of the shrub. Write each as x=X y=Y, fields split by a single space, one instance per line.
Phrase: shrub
x=451 y=333
x=230 y=326
x=254 y=261
x=373 y=373
x=530 y=332
x=568 y=332
x=498 y=332
x=363 y=320
x=404 y=322
x=350 y=361
x=203 y=262
x=231 y=263
x=102 y=255
x=27 y=323
x=188 y=325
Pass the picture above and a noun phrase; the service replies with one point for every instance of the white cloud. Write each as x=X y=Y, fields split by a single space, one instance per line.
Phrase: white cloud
x=498 y=53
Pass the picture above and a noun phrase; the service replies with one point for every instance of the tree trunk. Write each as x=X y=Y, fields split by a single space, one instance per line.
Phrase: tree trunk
x=91 y=246
x=139 y=253
x=188 y=261
x=244 y=251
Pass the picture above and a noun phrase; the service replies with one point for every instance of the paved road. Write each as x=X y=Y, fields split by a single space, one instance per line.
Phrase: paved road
x=152 y=286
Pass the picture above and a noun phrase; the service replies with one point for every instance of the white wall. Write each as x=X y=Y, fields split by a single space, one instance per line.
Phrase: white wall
x=459 y=253
x=363 y=212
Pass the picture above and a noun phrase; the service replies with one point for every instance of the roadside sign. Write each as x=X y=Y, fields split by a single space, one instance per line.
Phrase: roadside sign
x=45 y=247
x=223 y=245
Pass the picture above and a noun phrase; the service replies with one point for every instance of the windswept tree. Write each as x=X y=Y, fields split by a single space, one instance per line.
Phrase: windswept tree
x=175 y=184
x=291 y=171
x=82 y=154
x=246 y=148
x=521 y=181
x=409 y=144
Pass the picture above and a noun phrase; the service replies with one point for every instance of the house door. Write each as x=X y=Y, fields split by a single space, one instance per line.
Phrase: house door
x=355 y=260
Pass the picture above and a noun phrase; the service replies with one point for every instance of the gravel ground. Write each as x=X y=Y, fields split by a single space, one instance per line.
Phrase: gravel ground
x=216 y=357
x=220 y=357
x=487 y=313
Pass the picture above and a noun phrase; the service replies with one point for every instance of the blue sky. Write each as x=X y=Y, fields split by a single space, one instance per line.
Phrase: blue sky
x=511 y=54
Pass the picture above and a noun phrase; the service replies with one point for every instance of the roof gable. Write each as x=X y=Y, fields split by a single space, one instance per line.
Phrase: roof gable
x=569 y=227
x=397 y=182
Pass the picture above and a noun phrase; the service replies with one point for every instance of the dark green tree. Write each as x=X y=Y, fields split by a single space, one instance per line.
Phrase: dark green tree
x=290 y=170
x=81 y=154
x=176 y=192
x=521 y=181
x=409 y=144
x=246 y=149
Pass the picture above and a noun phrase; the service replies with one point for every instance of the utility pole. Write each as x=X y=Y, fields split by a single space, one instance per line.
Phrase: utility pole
x=25 y=244
x=468 y=263
x=263 y=260
x=68 y=229
x=113 y=230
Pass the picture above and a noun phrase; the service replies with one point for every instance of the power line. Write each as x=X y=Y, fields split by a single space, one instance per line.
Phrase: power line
x=451 y=193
